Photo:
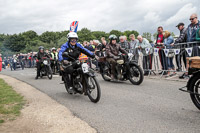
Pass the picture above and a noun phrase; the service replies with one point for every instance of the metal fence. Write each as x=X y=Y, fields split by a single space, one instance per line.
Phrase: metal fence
x=158 y=61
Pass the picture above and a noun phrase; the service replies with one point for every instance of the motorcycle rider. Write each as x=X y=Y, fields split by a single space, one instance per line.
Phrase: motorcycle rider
x=112 y=52
x=54 y=56
x=39 y=57
x=74 y=49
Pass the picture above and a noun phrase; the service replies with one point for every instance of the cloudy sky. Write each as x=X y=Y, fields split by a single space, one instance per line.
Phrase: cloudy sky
x=56 y=15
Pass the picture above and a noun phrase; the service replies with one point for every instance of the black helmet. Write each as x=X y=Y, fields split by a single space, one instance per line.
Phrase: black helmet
x=113 y=37
x=41 y=47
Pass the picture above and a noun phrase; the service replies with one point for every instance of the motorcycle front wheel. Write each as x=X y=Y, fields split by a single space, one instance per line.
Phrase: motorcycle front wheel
x=136 y=75
x=93 y=89
x=49 y=72
x=194 y=87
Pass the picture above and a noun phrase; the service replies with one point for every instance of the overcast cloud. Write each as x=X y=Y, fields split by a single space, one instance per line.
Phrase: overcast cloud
x=56 y=15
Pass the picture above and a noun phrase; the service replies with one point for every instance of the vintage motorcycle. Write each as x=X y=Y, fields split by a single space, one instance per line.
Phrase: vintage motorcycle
x=45 y=68
x=193 y=85
x=83 y=78
x=127 y=68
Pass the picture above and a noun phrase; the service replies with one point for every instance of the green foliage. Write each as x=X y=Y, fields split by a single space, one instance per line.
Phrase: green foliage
x=85 y=35
x=116 y=32
x=172 y=34
x=62 y=40
x=15 y=42
x=147 y=35
x=128 y=33
x=99 y=34
x=30 y=41
x=155 y=36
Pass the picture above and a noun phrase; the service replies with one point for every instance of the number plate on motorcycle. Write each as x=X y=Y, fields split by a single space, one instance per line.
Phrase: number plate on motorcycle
x=85 y=68
x=45 y=62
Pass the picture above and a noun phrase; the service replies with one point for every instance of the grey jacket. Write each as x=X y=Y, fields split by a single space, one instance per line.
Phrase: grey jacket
x=132 y=47
x=144 y=44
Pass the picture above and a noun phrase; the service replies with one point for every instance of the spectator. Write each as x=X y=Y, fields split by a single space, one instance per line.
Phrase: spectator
x=104 y=43
x=192 y=28
x=198 y=35
x=123 y=43
x=102 y=39
x=181 y=39
x=125 y=38
x=92 y=44
x=168 y=42
x=84 y=43
x=142 y=44
x=133 y=49
x=191 y=32
x=89 y=47
x=99 y=48
x=30 y=60
x=160 y=45
x=58 y=50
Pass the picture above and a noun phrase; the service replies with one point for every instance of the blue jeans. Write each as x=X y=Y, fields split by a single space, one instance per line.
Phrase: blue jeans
x=170 y=62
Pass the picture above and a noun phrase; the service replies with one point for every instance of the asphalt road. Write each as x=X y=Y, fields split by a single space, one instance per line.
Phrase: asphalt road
x=154 y=106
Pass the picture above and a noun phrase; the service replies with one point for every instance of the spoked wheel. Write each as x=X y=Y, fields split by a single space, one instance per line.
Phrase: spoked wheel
x=49 y=72
x=194 y=87
x=136 y=75
x=67 y=89
x=93 y=89
x=105 y=74
x=41 y=75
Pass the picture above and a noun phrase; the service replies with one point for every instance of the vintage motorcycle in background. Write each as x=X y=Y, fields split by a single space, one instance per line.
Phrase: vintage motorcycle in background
x=127 y=68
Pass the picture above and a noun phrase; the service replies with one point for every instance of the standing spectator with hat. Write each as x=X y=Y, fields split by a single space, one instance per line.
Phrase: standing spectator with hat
x=181 y=39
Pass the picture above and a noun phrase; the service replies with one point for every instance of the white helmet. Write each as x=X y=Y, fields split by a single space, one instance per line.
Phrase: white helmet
x=72 y=35
x=53 y=49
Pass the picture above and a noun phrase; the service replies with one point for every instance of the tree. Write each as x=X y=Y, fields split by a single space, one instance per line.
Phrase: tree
x=172 y=34
x=155 y=36
x=85 y=35
x=147 y=35
x=14 y=42
x=30 y=41
x=116 y=32
x=62 y=41
x=30 y=35
x=47 y=37
x=99 y=34
x=128 y=33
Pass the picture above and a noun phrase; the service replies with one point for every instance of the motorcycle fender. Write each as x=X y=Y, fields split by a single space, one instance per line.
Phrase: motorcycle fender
x=90 y=74
x=133 y=63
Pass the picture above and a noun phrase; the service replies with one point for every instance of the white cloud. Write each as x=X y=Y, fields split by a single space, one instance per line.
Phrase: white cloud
x=50 y=15
x=182 y=14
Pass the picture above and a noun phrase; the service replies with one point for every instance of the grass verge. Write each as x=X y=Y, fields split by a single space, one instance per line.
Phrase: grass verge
x=10 y=102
